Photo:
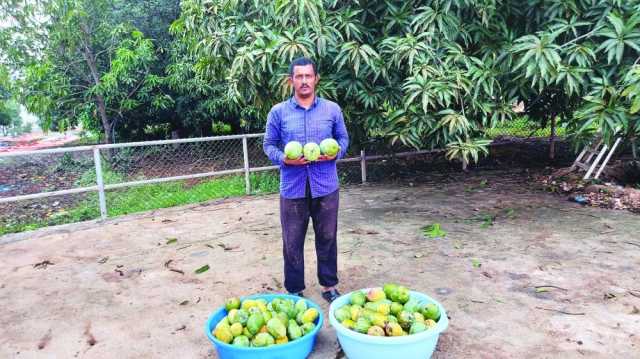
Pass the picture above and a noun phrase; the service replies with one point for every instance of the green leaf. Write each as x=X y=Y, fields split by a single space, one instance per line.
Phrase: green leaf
x=433 y=231
x=202 y=269
x=171 y=240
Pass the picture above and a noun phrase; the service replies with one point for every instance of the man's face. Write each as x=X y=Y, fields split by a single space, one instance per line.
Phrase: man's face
x=304 y=80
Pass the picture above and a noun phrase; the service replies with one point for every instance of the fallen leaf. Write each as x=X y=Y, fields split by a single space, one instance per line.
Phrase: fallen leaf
x=418 y=255
x=433 y=231
x=44 y=264
x=184 y=302
x=202 y=269
x=476 y=263
x=226 y=247
x=171 y=240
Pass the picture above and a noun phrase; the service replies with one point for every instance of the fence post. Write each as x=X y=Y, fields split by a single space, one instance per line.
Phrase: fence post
x=363 y=166
x=245 y=150
x=101 y=197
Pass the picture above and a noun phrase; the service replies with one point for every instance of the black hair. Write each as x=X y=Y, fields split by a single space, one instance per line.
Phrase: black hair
x=302 y=61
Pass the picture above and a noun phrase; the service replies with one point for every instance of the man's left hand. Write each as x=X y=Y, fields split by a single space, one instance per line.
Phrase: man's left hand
x=326 y=158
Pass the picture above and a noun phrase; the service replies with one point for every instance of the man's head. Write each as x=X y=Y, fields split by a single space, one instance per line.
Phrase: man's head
x=303 y=76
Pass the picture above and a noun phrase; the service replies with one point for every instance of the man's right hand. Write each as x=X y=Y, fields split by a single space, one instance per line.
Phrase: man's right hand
x=299 y=162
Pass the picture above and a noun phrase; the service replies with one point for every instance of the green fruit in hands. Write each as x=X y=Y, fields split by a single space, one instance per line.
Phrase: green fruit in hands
x=311 y=151
x=232 y=303
x=357 y=298
x=329 y=147
x=263 y=340
x=241 y=341
x=376 y=331
x=293 y=150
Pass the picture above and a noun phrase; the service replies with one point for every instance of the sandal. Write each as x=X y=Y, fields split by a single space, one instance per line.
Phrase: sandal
x=330 y=295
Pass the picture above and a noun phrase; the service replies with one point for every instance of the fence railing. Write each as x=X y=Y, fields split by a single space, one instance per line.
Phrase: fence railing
x=110 y=167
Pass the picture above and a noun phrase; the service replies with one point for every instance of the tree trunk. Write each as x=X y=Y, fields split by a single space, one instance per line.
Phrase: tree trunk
x=552 y=139
x=90 y=58
x=106 y=124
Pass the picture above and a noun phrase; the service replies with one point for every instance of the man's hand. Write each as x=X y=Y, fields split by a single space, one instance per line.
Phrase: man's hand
x=326 y=158
x=299 y=162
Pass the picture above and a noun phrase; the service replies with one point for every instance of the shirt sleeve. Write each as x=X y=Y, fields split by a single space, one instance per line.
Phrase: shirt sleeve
x=272 y=139
x=340 y=134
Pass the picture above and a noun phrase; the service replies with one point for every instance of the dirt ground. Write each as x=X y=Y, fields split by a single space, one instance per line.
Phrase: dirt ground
x=521 y=273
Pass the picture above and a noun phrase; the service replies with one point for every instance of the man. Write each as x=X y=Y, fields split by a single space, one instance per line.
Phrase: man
x=307 y=189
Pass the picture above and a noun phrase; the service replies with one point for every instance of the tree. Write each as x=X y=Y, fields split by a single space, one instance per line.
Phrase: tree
x=91 y=69
x=430 y=73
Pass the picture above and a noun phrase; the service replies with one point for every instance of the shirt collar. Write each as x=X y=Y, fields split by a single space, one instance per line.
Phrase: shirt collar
x=295 y=104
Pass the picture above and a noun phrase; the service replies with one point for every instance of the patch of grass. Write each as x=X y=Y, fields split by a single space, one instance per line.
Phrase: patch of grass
x=148 y=197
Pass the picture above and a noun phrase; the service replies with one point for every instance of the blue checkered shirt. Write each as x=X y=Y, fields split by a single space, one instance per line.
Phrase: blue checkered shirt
x=287 y=122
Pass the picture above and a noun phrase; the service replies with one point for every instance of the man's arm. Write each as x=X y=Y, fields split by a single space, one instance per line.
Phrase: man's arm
x=272 y=140
x=340 y=134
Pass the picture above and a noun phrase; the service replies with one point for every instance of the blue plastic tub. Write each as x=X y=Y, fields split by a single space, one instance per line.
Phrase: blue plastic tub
x=297 y=349
x=362 y=346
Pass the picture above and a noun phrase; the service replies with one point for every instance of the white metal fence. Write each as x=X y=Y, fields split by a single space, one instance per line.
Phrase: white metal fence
x=104 y=176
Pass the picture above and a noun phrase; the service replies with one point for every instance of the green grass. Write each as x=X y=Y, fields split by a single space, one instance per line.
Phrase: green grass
x=149 y=197
x=522 y=127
